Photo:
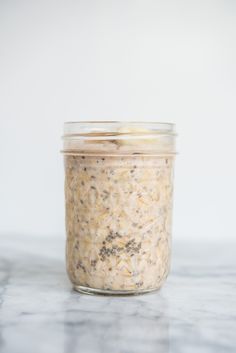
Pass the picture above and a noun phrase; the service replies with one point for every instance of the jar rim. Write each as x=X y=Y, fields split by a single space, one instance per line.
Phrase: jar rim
x=141 y=122
x=81 y=128
x=119 y=137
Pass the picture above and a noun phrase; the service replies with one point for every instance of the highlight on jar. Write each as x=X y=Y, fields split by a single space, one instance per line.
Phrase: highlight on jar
x=118 y=197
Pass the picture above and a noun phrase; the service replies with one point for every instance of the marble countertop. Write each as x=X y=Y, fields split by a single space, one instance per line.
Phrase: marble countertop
x=39 y=313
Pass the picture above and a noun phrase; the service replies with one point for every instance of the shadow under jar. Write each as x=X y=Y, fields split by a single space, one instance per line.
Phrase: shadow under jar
x=118 y=191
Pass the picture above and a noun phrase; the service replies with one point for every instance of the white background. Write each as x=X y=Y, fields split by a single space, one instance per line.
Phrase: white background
x=120 y=60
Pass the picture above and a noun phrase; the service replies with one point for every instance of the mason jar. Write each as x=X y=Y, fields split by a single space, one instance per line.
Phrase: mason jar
x=118 y=196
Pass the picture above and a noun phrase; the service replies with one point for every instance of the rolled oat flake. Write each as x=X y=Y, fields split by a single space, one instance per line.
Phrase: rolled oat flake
x=118 y=197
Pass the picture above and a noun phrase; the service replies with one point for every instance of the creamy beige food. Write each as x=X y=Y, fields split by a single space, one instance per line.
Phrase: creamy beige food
x=118 y=220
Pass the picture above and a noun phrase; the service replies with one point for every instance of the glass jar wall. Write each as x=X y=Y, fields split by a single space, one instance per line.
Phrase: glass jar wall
x=118 y=193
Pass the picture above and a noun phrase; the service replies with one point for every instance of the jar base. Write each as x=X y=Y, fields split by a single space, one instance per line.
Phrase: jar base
x=109 y=292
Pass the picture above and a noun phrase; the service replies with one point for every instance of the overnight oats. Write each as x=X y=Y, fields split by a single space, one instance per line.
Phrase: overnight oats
x=118 y=191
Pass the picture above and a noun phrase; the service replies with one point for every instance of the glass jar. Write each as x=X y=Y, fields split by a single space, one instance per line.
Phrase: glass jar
x=118 y=193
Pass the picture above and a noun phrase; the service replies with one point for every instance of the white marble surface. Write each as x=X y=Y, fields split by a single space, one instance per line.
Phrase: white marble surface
x=39 y=313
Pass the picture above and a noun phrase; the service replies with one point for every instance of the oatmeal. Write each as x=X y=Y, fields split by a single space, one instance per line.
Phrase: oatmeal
x=118 y=218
